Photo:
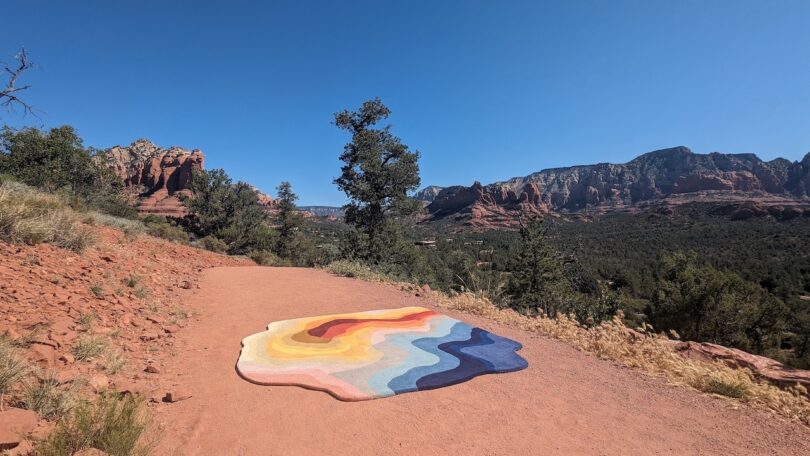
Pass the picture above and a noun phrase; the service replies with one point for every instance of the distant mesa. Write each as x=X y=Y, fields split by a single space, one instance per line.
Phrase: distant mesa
x=669 y=176
x=330 y=212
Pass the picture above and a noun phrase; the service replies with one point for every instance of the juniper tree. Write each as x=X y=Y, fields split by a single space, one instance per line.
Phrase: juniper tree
x=538 y=282
x=377 y=174
x=228 y=211
x=289 y=221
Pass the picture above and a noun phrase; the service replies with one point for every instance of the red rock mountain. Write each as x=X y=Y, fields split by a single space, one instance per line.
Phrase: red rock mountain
x=155 y=176
x=669 y=176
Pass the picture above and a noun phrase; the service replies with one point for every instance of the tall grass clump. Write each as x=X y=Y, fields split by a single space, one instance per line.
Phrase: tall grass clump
x=29 y=216
x=13 y=367
x=129 y=226
x=88 y=347
x=48 y=398
x=646 y=351
x=355 y=269
x=111 y=424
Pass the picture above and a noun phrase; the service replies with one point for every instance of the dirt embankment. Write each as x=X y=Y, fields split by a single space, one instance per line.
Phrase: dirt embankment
x=121 y=303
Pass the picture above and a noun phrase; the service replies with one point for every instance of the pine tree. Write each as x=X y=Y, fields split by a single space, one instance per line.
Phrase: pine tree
x=377 y=174
x=289 y=221
x=538 y=282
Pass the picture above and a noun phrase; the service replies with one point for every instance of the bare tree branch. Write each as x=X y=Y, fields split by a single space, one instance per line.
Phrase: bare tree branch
x=9 y=94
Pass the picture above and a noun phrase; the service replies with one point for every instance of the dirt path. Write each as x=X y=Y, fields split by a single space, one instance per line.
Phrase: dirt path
x=566 y=402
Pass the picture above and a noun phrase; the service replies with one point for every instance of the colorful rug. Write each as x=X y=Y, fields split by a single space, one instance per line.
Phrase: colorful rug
x=368 y=355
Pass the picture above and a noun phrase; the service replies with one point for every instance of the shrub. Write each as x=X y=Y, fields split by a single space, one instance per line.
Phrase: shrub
x=48 y=398
x=166 y=231
x=211 y=243
x=355 y=269
x=89 y=346
x=227 y=211
x=265 y=258
x=97 y=290
x=111 y=424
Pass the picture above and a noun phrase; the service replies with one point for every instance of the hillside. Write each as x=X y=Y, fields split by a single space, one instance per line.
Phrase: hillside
x=669 y=176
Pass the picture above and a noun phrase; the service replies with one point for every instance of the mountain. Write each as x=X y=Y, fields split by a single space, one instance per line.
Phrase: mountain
x=155 y=177
x=428 y=194
x=668 y=176
x=323 y=211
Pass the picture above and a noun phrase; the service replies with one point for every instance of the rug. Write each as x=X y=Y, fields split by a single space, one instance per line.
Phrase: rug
x=380 y=353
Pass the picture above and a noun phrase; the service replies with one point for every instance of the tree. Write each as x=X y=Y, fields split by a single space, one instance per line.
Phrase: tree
x=9 y=94
x=707 y=304
x=377 y=174
x=538 y=281
x=289 y=221
x=49 y=160
x=228 y=211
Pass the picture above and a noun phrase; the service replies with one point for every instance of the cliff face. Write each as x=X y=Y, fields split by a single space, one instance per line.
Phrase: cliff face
x=671 y=175
x=155 y=176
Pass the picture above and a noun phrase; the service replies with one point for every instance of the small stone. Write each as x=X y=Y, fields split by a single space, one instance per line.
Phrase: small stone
x=185 y=285
x=42 y=355
x=150 y=369
x=64 y=377
x=99 y=382
x=14 y=424
x=67 y=358
x=176 y=396
x=23 y=449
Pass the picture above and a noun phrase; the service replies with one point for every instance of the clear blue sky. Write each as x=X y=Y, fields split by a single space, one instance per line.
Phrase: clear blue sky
x=486 y=90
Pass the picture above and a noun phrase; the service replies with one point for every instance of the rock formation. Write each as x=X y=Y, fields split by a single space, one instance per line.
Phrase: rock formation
x=428 y=194
x=153 y=175
x=767 y=368
x=672 y=176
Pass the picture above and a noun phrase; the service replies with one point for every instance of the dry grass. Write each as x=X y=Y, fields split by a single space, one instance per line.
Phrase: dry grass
x=49 y=399
x=648 y=352
x=29 y=216
x=113 y=361
x=88 y=347
x=13 y=367
x=355 y=269
x=111 y=424
x=128 y=226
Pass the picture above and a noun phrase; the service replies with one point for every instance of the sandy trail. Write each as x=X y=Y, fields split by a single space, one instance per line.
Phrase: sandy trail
x=566 y=402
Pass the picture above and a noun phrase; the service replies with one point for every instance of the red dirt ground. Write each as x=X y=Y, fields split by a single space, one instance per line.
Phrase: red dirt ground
x=566 y=402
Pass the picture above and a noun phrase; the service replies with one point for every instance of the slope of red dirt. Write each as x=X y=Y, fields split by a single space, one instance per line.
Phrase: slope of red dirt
x=126 y=290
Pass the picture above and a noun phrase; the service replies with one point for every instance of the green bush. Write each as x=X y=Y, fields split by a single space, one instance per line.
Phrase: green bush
x=265 y=258
x=112 y=424
x=211 y=243
x=228 y=211
x=57 y=162
x=164 y=230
